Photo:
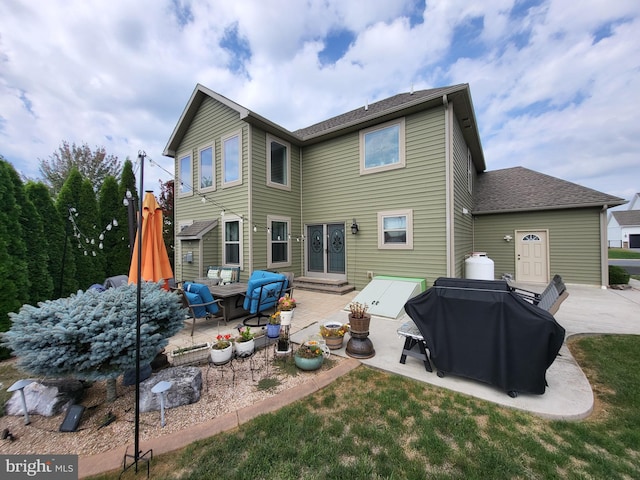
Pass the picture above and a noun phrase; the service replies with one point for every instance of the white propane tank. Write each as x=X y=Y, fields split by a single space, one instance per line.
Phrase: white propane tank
x=478 y=267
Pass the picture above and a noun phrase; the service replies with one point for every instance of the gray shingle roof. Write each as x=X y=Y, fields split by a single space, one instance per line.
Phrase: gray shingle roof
x=197 y=229
x=373 y=110
x=520 y=189
x=627 y=218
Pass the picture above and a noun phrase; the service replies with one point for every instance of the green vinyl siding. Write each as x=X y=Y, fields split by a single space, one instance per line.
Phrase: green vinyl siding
x=212 y=121
x=266 y=200
x=574 y=241
x=463 y=223
x=334 y=191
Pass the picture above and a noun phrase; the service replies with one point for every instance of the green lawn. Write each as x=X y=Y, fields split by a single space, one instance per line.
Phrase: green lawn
x=615 y=253
x=371 y=424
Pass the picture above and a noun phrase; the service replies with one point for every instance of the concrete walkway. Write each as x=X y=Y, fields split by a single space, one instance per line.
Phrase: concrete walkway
x=568 y=396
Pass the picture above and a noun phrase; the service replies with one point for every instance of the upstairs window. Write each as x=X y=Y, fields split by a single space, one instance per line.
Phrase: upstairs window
x=232 y=159
x=185 y=176
x=207 y=169
x=382 y=147
x=395 y=230
x=278 y=163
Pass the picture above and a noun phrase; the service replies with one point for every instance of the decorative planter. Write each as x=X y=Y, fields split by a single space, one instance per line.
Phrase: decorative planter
x=359 y=345
x=334 y=343
x=308 y=363
x=273 y=331
x=359 y=325
x=190 y=355
x=244 y=349
x=221 y=356
x=285 y=317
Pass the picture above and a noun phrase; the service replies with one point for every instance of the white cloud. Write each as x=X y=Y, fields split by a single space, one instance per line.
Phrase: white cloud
x=118 y=74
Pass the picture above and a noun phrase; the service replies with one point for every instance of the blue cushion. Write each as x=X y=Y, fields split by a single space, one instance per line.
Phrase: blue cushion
x=205 y=295
x=267 y=297
x=194 y=299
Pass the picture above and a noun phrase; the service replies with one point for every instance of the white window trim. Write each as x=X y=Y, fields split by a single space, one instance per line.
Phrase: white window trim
x=237 y=133
x=401 y=147
x=408 y=213
x=270 y=183
x=469 y=171
x=232 y=218
x=189 y=181
x=270 y=262
x=213 y=168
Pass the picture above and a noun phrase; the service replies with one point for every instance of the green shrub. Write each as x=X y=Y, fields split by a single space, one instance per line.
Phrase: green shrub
x=618 y=275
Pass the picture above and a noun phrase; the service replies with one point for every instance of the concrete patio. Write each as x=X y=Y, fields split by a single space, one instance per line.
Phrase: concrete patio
x=568 y=396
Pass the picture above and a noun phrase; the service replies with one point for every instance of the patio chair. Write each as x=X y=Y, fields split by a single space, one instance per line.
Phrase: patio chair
x=264 y=289
x=550 y=299
x=201 y=304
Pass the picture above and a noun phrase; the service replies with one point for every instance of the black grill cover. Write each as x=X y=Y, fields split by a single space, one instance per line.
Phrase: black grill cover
x=480 y=329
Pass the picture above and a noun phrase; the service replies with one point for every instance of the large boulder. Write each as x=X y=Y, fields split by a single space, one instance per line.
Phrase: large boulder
x=46 y=397
x=186 y=388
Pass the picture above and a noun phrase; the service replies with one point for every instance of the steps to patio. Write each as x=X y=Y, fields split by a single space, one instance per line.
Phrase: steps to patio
x=324 y=285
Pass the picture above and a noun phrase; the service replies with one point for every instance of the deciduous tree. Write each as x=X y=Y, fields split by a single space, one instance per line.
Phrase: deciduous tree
x=95 y=165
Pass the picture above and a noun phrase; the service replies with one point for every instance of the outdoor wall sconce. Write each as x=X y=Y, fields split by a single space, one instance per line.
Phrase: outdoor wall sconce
x=507 y=238
x=354 y=227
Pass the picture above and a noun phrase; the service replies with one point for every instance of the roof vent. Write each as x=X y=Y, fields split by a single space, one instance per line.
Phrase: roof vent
x=366 y=105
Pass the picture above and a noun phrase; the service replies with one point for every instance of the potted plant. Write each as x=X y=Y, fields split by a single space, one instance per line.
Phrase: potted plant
x=188 y=355
x=245 y=345
x=359 y=345
x=333 y=334
x=359 y=319
x=273 y=327
x=286 y=305
x=222 y=349
x=309 y=357
x=283 y=347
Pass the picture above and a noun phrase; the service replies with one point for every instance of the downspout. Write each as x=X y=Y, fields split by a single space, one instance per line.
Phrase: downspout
x=604 y=252
x=448 y=187
x=301 y=235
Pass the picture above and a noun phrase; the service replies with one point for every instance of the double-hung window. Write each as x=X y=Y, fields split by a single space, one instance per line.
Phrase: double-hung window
x=278 y=163
x=382 y=147
x=395 y=230
x=207 y=169
x=232 y=242
x=231 y=159
x=185 y=175
x=279 y=242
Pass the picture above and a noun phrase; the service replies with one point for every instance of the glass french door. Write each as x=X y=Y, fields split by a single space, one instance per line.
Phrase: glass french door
x=326 y=250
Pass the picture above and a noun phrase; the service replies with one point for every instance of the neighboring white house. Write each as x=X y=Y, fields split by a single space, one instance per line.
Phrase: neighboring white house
x=623 y=229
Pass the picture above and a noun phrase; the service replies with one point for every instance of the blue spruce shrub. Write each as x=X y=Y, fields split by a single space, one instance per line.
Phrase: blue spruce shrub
x=92 y=334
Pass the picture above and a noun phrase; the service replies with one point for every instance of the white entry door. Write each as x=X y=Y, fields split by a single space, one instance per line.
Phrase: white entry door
x=532 y=256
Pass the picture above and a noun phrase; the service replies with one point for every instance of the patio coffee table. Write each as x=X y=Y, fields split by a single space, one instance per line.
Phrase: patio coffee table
x=231 y=306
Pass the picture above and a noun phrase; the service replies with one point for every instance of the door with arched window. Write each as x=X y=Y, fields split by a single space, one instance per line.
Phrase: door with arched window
x=532 y=256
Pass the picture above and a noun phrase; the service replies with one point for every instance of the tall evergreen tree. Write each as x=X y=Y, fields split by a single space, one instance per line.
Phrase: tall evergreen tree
x=168 y=229
x=40 y=283
x=67 y=204
x=127 y=184
x=110 y=207
x=13 y=251
x=53 y=225
x=94 y=165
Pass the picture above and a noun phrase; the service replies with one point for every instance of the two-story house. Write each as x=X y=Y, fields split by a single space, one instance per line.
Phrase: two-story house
x=396 y=188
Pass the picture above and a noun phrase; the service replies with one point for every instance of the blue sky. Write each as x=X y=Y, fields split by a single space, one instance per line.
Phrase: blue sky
x=555 y=84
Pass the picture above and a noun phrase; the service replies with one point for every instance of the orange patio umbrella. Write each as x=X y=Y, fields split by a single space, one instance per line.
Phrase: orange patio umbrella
x=155 y=264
